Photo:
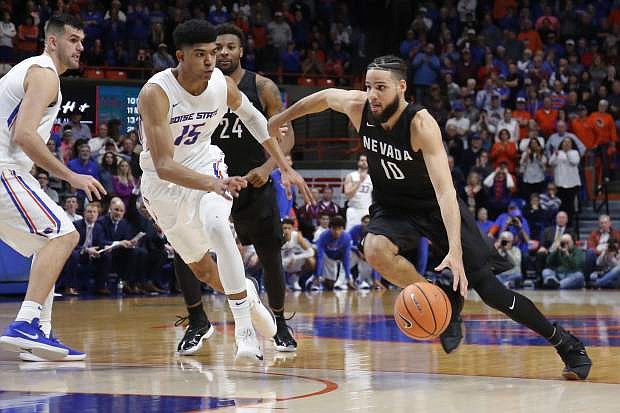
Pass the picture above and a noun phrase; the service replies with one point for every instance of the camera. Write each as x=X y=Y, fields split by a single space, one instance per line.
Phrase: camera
x=503 y=243
x=563 y=244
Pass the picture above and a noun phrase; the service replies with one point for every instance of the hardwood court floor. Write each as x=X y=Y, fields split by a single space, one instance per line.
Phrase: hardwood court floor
x=351 y=358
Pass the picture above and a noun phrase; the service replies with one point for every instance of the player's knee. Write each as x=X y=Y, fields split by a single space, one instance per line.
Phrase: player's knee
x=378 y=251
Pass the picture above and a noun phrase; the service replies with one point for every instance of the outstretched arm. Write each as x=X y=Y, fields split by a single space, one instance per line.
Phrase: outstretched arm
x=428 y=139
x=349 y=102
x=153 y=107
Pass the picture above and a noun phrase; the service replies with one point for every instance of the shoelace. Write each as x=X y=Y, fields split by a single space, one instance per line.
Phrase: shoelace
x=184 y=321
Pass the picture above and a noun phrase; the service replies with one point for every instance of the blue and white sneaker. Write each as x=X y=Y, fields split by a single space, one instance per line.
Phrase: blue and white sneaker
x=23 y=336
x=73 y=355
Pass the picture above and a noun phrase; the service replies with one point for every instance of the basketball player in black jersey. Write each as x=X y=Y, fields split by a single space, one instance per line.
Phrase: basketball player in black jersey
x=414 y=196
x=255 y=212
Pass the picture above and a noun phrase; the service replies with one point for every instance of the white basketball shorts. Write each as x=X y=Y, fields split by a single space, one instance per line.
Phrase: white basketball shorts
x=28 y=216
x=185 y=215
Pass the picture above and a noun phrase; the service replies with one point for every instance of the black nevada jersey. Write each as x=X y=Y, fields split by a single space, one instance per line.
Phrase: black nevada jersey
x=242 y=151
x=399 y=175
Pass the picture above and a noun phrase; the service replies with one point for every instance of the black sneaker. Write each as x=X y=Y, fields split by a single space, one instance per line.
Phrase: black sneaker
x=195 y=333
x=577 y=364
x=283 y=339
x=452 y=336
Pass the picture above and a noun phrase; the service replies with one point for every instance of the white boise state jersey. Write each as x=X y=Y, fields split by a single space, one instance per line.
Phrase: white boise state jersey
x=363 y=197
x=192 y=120
x=292 y=246
x=11 y=96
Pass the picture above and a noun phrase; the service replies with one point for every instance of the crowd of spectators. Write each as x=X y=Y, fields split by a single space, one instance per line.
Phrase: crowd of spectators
x=314 y=38
x=526 y=95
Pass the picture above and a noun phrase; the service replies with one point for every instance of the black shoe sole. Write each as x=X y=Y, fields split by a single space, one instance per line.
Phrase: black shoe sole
x=577 y=373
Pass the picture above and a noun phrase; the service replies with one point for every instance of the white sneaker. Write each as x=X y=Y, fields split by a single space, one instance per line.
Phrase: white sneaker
x=248 y=350
x=263 y=319
x=363 y=285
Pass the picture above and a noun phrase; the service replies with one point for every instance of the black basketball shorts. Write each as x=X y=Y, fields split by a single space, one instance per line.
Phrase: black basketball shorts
x=257 y=219
x=404 y=229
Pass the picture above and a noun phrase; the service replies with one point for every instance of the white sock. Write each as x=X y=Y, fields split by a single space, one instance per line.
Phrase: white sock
x=46 y=314
x=241 y=313
x=29 y=311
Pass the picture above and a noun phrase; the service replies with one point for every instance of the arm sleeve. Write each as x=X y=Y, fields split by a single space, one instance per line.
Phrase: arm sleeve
x=253 y=120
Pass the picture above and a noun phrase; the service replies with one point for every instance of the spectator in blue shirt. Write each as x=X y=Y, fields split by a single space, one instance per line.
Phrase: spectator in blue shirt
x=218 y=14
x=483 y=222
x=285 y=201
x=407 y=45
x=366 y=276
x=138 y=28
x=514 y=222
x=93 y=24
x=83 y=164
x=333 y=255
x=425 y=67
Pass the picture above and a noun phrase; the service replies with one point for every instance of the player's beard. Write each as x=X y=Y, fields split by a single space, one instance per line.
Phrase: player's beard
x=387 y=113
x=233 y=66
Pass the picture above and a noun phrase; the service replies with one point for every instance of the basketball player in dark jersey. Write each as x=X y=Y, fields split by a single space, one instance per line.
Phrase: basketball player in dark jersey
x=414 y=196
x=255 y=212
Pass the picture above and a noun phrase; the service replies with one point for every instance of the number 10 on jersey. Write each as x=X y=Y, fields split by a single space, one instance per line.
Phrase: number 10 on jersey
x=392 y=171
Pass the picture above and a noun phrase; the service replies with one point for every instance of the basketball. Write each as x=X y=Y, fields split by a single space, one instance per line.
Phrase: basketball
x=422 y=311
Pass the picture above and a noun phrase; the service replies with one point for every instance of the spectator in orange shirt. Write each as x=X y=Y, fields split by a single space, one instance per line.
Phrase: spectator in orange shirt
x=27 y=37
x=605 y=134
x=522 y=116
x=582 y=127
x=505 y=151
x=530 y=37
x=546 y=117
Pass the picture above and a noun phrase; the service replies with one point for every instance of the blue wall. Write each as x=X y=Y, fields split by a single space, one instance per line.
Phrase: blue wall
x=14 y=270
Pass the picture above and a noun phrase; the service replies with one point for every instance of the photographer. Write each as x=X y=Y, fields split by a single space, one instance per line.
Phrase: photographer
x=513 y=277
x=565 y=266
x=609 y=261
x=514 y=222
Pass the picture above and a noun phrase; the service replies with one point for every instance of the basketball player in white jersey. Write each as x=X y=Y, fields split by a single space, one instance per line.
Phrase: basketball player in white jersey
x=184 y=185
x=358 y=190
x=30 y=222
x=297 y=253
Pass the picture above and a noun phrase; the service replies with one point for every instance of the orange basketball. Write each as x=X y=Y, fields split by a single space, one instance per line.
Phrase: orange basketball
x=422 y=311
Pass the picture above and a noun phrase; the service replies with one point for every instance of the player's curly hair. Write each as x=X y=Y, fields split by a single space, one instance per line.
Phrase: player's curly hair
x=390 y=63
x=232 y=29
x=192 y=32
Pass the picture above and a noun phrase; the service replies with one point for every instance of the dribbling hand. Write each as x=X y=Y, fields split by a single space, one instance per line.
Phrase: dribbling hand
x=455 y=263
x=88 y=184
